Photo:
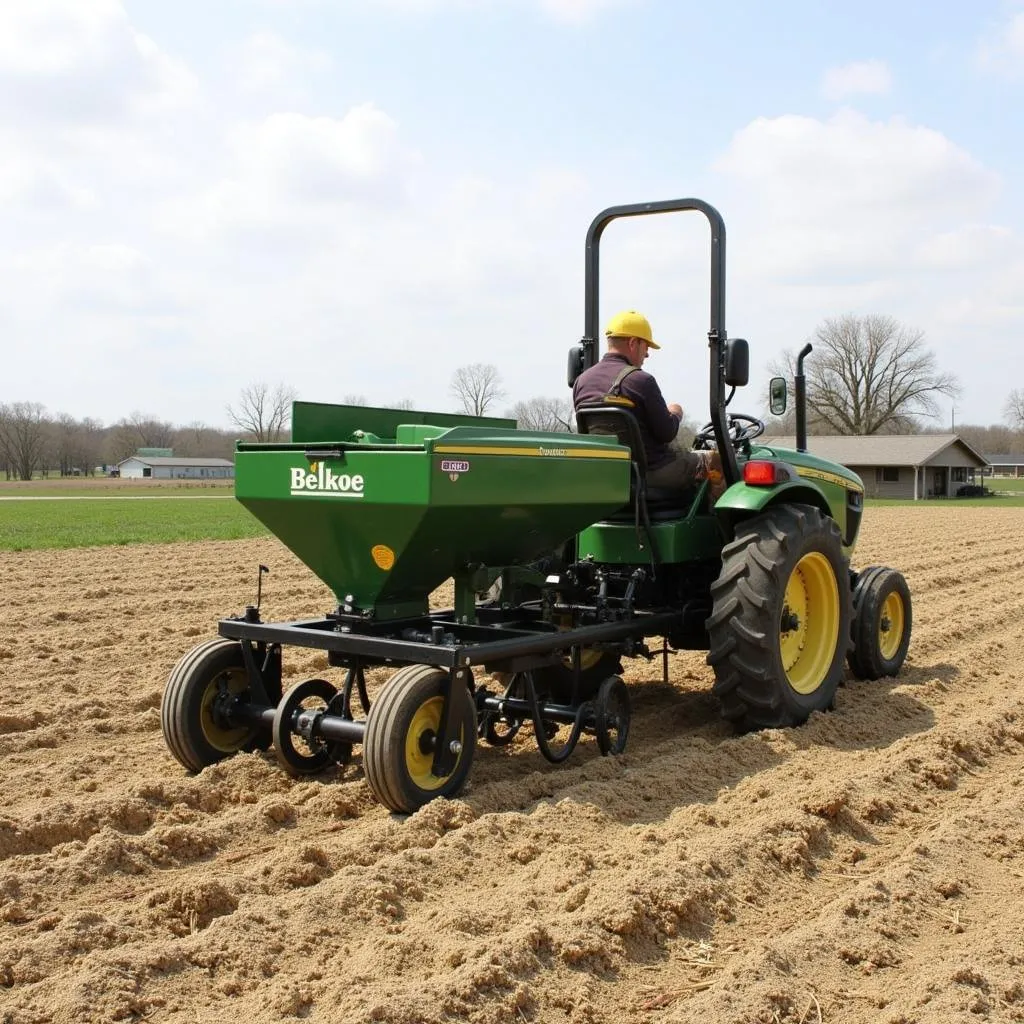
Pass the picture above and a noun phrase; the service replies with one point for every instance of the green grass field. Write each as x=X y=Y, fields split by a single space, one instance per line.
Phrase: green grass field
x=997 y=501
x=101 y=487
x=194 y=514
x=1004 y=484
x=30 y=525
x=1006 y=493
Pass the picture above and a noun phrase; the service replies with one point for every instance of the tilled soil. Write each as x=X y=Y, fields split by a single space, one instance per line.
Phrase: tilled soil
x=865 y=867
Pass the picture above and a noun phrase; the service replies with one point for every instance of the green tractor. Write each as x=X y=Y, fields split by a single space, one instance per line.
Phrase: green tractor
x=564 y=562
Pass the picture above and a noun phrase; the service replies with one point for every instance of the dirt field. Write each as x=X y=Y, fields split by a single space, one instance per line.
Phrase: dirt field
x=866 y=867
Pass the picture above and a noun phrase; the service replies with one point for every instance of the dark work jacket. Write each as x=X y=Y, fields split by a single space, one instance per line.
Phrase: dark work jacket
x=658 y=426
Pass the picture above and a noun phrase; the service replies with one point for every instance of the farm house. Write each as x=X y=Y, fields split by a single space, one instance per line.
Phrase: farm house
x=901 y=465
x=164 y=468
x=1005 y=464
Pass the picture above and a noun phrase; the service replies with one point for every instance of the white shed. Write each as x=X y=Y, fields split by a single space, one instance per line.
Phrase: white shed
x=161 y=468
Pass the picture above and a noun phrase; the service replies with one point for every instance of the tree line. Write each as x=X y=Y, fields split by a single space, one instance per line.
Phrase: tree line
x=31 y=441
x=867 y=375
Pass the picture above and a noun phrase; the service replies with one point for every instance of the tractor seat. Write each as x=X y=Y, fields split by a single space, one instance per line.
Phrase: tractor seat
x=617 y=421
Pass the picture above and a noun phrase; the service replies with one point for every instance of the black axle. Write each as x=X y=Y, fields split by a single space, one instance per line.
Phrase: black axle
x=311 y=724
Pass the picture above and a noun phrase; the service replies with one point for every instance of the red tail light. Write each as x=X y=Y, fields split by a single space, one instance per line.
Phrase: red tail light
x=760 y=473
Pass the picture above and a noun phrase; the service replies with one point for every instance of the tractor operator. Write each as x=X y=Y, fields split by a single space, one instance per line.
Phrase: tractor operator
x=619 y=379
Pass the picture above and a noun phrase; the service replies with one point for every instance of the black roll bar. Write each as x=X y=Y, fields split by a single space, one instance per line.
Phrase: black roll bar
x=716 y=331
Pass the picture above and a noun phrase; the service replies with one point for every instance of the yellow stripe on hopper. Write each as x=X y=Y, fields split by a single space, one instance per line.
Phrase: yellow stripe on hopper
x=583 y=453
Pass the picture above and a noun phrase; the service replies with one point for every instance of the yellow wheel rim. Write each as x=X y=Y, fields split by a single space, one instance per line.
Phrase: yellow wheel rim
x=227 y=741
x=589 y=656
x=419 y=745
x=891 y=624
x=809 y=628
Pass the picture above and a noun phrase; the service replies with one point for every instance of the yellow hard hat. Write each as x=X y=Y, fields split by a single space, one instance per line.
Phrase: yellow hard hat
x=630 y=324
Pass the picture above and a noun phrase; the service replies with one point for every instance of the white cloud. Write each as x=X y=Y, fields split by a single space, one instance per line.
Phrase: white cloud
x=32 y=184
x=265 y=61
x=966 y=248
x=81 y=61
x=291 y=173
x=863 y=77
x=854 y=215
x=850 y=195
x=568 y=11
x=1002 y=50
x=232 y=236
x=577 y=11
x=97 y=276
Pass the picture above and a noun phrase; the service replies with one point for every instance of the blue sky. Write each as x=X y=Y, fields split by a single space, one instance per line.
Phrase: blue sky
x=360 y=197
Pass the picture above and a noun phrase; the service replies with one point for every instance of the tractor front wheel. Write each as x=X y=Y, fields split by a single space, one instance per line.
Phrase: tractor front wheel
x=401 y=733
x=882 y=619
x=201 y=689
x=780 y=624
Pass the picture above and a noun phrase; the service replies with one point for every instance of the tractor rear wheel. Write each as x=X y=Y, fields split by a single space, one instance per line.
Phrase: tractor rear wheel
x=780 y=624
x=204 y=682
x=401 y=732
x=882 y=619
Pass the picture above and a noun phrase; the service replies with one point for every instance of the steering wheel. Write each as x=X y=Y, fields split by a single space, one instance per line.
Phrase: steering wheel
x=741 y=428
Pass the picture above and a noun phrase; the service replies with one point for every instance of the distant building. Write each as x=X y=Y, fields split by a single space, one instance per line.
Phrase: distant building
x=161 y=467
x=900 y=465
x=1006 y=464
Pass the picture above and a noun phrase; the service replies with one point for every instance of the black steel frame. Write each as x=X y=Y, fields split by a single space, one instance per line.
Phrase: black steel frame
x=520 y=645
x=456 y=645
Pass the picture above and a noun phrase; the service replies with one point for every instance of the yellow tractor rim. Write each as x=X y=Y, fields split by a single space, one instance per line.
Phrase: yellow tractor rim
x=589 y=656
x=809 y=628
x=891 y=624
x=419 y=744
x=227 y=741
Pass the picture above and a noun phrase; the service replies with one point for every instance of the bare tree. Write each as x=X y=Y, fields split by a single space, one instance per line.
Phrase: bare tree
x=23 y=435
x=354 y=400
x=196 y=440
x=477 y=387
x=1013 y=411
x=870 y=374
x=544 y=414
x=404 y=404
x=73 y=445
x=148 y=431
x=139 y=430
x=262 y=413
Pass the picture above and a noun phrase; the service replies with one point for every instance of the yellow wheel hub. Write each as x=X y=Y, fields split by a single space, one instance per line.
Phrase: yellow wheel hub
x=419 y=744
x=589 y=656
x=228 y=741
x=809 y=629
x=891 y=624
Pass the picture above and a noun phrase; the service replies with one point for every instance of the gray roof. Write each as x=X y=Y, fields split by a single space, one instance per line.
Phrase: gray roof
x=160 y=460
x=879 y=449
x=1006 y=459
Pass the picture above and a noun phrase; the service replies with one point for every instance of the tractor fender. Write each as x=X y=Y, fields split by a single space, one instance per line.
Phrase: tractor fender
x=740 y=501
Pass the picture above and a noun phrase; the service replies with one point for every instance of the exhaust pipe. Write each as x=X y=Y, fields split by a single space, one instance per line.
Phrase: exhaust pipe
x=800 y=386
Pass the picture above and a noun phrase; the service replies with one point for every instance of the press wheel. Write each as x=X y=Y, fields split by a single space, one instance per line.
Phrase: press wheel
x=315 y=753
x=401 y=733
x=201 y=689
x=612 y=716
